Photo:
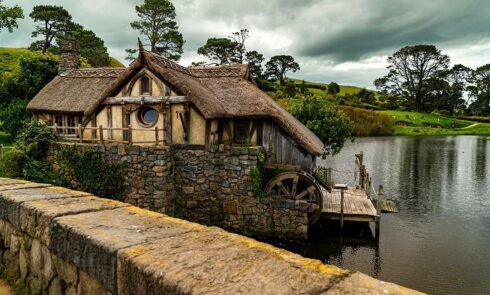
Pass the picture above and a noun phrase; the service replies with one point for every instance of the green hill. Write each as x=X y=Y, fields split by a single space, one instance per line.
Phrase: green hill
x=10 y=57
x=344 y=89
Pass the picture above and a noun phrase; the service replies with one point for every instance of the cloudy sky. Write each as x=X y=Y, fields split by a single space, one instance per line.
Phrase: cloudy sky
x=346 y=41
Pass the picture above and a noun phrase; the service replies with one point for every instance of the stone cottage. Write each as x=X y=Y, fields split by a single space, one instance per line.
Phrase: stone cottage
x=210 y=121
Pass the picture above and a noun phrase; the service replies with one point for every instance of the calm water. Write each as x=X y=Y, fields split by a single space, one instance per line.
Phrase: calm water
x=440 y=241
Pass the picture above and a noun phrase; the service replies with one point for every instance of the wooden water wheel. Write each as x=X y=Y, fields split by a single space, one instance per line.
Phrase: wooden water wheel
x=298 y=185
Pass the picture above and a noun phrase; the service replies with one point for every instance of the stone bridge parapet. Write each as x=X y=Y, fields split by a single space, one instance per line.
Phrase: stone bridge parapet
x=60 y=241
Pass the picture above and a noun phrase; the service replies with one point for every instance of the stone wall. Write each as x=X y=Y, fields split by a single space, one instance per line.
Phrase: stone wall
x=59 y=241
x=210 y=187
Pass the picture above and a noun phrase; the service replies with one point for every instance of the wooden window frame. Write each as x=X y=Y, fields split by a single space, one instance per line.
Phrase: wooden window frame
x=142 y=91
x=241 y=131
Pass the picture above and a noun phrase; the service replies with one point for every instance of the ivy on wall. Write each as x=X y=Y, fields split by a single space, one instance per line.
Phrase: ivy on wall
x=258 y=177
x=93 y=173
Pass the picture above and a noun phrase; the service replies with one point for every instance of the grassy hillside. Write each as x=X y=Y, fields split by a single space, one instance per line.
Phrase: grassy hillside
x=10 y=57
x=344 y=89
x=411 y=123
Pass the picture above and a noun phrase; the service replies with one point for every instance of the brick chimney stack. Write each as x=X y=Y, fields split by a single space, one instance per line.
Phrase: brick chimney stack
x=69 y=54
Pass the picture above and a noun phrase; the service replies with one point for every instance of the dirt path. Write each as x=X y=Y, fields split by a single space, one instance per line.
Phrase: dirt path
x=5 y=288
x=471 y=126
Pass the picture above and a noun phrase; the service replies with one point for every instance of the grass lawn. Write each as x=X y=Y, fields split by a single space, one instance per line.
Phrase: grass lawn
x=430 y=124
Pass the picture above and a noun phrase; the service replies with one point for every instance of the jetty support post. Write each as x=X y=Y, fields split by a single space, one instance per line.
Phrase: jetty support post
x=342 y=188
x=379 y=203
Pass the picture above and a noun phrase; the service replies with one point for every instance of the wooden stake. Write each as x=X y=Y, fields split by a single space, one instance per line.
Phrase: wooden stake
x=101 y=134
x=156 y=135
x=130 y=134
x=80 y=133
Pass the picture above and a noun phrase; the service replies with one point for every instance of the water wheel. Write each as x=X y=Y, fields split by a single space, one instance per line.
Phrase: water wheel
x=298 y=185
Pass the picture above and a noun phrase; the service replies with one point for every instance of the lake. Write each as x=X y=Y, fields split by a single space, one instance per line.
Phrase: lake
x=439 y=242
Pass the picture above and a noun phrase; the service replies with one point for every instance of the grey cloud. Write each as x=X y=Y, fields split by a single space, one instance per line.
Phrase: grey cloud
x=319 y=33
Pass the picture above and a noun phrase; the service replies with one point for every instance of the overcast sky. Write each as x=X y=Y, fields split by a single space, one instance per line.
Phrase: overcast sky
x=346 y=41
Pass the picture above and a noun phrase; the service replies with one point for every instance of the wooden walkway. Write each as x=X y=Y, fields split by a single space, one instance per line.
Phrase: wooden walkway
x=357 y=206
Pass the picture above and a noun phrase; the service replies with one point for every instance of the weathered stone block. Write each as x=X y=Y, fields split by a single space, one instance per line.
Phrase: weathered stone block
x=36 y=216
x=10 y=200
x=91 y=240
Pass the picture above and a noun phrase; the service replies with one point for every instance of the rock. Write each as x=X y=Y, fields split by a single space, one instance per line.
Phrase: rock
x=87 y=285
x=230 y=207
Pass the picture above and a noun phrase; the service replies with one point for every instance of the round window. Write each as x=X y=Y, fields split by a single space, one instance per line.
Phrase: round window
x=147 y=116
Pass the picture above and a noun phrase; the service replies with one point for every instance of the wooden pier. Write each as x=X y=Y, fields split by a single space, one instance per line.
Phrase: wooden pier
x=345 y=203
x=357 y=206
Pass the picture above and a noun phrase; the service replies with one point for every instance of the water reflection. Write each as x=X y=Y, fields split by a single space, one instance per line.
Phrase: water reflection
x=439 y=241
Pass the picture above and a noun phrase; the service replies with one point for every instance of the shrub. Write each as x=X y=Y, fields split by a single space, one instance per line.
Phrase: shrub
x=32 y=144
x=368 y=123
x=94 y=174
x=330 y=125
x=14 y=116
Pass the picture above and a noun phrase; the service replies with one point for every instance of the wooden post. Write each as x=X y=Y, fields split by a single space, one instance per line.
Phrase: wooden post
x=378 y=211
x=55 y=128
x=130 y=134
x=101 y=134
x=80 y=133
x=343 y=188
x=1 y=151
x=156 y=135
x=329 y=175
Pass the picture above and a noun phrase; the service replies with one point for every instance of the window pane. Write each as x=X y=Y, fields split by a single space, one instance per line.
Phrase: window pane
x=150 y=116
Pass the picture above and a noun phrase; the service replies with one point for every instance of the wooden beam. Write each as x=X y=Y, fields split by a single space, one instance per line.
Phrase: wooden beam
x=109 y=122
x=145 y=99
x=167 y=124
x=207 y=135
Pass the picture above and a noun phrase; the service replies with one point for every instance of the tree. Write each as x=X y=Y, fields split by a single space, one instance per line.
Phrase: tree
x=9 y=16
x=157 y=23
x=53 y=20
x=290 y=89
x=240 y=50
x=92 y=47
x=411 y=69
x=333 y=88
x=255 y=61
x=279 y=65
x=332 y=126
x=480 y=91
x=221 y=50
x=131 y=54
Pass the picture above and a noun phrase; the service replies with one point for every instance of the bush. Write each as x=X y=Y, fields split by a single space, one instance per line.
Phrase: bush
x=32 y=145
x=330 y=125
x=14 y=116
x=94 y=174
x=368 y=123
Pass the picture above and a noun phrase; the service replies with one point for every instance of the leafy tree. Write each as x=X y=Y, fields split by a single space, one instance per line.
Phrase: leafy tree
x=157 y=23
x=333 y=88
x=255 y=61
x=92 y=47
x=279 y=65
x=366 y=96
x=332 y=126
x=131 y=54
x=480 y=91
x=458 y=77
x=290 y=89
x=9 y=16
x=14 y=116
x=53 y=20
x=34 y=74
x=411 y=70
x=239 y=38
x=221 y=50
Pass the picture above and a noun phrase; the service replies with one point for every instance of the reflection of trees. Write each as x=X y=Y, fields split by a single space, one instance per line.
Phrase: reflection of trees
x=481 y=157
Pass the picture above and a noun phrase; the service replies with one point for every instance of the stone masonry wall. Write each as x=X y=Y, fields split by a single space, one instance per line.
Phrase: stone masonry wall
x=210 y=187
x=58 y=241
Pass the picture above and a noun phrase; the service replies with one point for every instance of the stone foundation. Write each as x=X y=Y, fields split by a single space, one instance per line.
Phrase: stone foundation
x=209 y=187
x=59 y=241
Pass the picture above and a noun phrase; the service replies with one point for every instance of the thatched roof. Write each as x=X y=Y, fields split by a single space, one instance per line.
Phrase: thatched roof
x=74 y=91
x=218 y=92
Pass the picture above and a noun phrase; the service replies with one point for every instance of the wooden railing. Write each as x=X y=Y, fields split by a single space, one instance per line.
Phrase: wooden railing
x=105 y=135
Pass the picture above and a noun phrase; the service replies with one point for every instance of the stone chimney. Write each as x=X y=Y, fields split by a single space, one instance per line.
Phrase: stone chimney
x=69 y=54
